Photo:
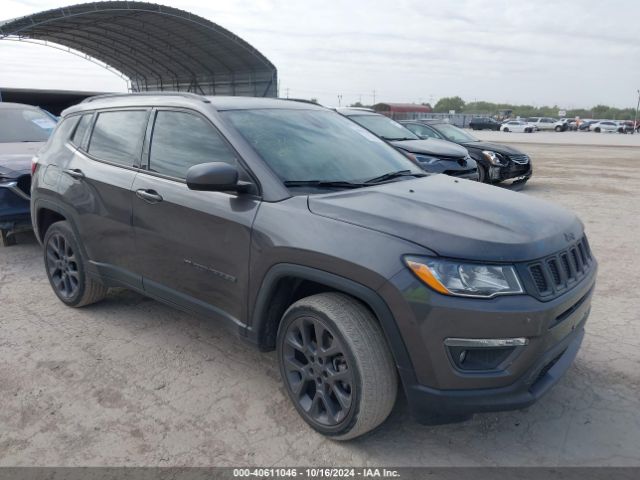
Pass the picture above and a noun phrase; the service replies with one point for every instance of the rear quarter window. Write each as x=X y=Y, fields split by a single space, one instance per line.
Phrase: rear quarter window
x=82 y=127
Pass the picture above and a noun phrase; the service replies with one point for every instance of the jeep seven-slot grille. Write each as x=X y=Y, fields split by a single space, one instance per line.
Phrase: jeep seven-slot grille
x=556 y=273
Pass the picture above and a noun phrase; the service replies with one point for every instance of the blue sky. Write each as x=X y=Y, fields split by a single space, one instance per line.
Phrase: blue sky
x=571 y=53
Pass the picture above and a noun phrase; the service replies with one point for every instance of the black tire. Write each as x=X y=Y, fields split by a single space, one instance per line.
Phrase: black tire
x=66 y=268
x=7 y=239
x=505 y=129
x=483 y=176
x=346 y=385
x=558 y=128
x=597 y=129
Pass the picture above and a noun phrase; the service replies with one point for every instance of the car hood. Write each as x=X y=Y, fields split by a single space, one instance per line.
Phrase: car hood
x=456 y=218
x=495 y=147
x=15 y=158
x=432 y=146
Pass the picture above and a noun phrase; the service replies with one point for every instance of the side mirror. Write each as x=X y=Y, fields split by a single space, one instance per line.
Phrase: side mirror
x=215 y=177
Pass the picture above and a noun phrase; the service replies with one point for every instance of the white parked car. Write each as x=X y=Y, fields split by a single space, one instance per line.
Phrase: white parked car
x=604 y=126
x=517 y=126
x=543 y=123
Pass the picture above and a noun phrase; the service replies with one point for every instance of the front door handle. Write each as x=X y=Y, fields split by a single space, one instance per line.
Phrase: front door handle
x=150 y=196
x=75 y=173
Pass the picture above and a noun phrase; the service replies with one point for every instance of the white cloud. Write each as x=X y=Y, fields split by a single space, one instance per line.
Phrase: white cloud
x=576 y=53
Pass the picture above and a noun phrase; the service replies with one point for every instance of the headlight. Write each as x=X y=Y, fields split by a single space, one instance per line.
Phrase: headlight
x=493 y=157
x=426 y=159
x=465 y=279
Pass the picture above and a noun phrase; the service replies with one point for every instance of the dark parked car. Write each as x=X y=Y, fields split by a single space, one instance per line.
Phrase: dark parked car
x=484 y=123
x=305 y=233
x=585 y=125
x=496 y=162
x=434 y=156
x=23 y=130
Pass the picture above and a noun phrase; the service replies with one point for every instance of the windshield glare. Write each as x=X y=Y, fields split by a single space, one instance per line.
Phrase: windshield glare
x=25 y=125
x=384 y=127
x=455 y=134
x=310 y=145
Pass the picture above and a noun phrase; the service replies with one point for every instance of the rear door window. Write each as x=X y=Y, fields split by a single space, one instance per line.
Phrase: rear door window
x=117 y=136
x=181 y=140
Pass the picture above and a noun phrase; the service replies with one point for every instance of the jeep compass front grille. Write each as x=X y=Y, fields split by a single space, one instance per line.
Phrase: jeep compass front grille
x=556 y=273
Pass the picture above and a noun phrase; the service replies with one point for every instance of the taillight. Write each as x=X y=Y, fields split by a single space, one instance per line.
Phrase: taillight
x=34 y=164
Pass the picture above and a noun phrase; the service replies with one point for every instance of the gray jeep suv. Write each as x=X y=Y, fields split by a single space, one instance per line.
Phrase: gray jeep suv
x=305 y=233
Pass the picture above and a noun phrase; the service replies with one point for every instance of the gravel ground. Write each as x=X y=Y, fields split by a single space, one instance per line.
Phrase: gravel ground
x=132 y=382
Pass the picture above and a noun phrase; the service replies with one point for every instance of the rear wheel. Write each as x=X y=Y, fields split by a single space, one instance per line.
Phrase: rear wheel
x=66 y=268
x=7 y=239
x=336 y=366
x=505 y=129
x=597 y=130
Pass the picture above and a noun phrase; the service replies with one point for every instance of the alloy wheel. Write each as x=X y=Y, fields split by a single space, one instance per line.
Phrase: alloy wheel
x=317 y=371
x=62 y=265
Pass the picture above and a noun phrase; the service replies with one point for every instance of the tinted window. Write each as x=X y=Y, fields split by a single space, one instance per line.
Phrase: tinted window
x=81 y=129
x=421 y=130
x=384 y=127
x=117 y=136
x=455 y=134
x=316 y=145
x=181 y=140
x=25 y=125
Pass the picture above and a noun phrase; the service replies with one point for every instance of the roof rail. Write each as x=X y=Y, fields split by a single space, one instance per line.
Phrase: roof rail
x=142 y=94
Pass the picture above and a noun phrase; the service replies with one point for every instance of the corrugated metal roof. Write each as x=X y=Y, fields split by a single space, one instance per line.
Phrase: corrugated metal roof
x=156 y=47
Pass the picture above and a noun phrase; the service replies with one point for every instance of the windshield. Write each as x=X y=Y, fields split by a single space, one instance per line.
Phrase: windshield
x=316 y=145
x=384 y=127
x=25 y=125
x=455 y=134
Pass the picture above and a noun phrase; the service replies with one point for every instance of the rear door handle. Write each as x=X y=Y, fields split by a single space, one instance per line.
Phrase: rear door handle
x=75 y=173
x=150 y=196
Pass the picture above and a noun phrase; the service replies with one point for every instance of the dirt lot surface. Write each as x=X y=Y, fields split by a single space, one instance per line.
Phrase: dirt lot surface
x=132 y=382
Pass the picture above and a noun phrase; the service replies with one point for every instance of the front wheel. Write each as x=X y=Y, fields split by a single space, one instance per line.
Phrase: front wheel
x=66 y=268
x=558 y=129
x=336 y=366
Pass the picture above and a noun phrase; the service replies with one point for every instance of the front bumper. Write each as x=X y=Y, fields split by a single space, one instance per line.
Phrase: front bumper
x=14 y=207
x=466 y=174
x=432 y=406
x=511 y=171
x=439 y=391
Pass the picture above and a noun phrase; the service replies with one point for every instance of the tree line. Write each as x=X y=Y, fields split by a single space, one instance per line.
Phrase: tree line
x=446 y=104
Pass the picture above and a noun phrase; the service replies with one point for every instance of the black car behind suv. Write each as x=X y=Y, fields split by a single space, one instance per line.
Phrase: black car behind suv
x=484 y=123
x=496 y=162
x=433 y=155
x=305 y=233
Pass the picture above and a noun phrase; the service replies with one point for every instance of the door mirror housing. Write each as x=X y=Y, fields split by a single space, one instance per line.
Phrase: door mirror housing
x=215 y=177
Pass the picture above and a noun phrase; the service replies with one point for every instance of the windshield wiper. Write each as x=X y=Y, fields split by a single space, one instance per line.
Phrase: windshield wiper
x=399 y=139
x=322 y=183
x=392 y=175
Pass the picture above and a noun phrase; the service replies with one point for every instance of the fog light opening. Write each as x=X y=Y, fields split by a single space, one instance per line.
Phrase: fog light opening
x=462 y=357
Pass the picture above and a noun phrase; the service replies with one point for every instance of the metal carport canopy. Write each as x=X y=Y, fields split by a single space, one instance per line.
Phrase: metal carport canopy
x=156 y=47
